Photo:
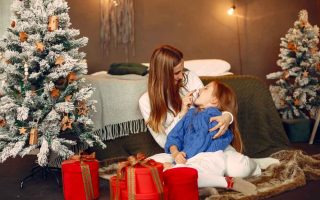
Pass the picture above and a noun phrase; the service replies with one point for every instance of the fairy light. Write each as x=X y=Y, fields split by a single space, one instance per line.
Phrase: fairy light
x=231 y=10
x=115 y=3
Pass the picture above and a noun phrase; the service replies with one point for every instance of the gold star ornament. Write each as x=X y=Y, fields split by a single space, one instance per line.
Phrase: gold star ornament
x=22 y=130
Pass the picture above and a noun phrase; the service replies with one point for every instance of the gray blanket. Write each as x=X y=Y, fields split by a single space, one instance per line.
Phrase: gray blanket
x=118 y=112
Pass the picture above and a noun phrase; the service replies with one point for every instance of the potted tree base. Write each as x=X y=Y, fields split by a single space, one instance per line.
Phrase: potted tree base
x=298 y=130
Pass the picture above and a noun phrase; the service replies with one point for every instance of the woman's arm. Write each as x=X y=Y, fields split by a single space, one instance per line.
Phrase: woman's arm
x=223 y=122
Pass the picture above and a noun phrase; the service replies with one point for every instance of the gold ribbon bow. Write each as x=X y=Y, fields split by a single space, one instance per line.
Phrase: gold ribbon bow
x=130 y=164
x=85 y=171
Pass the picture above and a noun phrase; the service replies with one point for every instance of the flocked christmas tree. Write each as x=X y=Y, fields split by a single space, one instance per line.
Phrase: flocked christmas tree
x=296 y=93
x=44 y=97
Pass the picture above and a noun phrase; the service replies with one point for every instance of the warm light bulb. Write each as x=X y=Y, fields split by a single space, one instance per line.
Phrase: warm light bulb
x=231 y=10
x=115 y=3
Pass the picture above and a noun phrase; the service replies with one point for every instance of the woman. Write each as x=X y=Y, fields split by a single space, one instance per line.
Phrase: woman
x=169 y=96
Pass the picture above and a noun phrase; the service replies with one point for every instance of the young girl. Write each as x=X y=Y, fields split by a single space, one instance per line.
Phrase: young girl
x=190 y=138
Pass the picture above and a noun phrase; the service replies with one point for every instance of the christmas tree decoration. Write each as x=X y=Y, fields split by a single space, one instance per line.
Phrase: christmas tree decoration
x=39 y=47
x=59 y=60
x=33 y=136
x=296 y=93
x=68 y=98
x=13 y=24
x=53 y=23
x=2 y=122
x=82 y=108
x=71 y=77
x=23 y=36
x=55 y=93
x=37 y=108
x=292 y=46
x=23 y=130
x=67 y=124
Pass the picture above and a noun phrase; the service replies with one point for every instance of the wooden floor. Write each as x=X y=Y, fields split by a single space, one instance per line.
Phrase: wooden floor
x=13 y=170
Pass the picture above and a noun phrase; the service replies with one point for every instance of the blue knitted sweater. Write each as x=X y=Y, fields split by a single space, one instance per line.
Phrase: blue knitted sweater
x=191 y=134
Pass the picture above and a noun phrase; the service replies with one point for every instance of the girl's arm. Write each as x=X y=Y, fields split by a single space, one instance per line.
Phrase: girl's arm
x=178 y=156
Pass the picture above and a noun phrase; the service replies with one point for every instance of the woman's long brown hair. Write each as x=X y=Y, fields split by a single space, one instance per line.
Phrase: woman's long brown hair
x=163 y=92
x=228 y=102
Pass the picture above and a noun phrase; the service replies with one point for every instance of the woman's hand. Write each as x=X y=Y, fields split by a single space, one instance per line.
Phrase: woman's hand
x=187 y=101
x=179 y=157
x=223 y=124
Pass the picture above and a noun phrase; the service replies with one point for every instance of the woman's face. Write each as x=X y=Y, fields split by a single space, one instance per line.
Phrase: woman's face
x=206 y=97
x=178 y=72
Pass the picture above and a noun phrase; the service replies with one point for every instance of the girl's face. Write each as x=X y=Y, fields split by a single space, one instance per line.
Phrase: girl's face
x=206 y=97
x=178 y=72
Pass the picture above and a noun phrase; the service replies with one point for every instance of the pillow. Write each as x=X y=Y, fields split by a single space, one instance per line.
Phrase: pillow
x=127 y=68
x=207 y=67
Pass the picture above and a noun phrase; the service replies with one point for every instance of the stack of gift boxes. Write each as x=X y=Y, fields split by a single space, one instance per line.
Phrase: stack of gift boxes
x=137 y=178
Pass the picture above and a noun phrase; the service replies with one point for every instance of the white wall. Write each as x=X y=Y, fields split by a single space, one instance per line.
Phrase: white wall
x=4 y=15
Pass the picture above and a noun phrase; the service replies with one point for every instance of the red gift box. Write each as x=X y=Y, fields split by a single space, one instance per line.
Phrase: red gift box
x=181 y=183
x=141 y=178
x=80 y=178
x=116 y=187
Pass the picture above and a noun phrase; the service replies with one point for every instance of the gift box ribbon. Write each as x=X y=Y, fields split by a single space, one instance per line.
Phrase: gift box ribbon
x=85 y=171
x=130 y=164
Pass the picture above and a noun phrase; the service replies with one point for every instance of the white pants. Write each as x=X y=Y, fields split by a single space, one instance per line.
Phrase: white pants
x=212 y=167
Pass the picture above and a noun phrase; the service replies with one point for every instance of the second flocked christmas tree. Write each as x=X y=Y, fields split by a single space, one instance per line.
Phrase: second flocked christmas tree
x=44 y=98
x=297 y=91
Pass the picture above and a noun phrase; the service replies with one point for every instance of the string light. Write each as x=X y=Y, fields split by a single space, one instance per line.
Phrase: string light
x=231 y=10
x=115 y=3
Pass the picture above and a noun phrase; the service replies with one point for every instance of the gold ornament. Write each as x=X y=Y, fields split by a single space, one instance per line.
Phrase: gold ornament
x=23 y=36
x=305 y=74
x=53 y=23
x=83 y=111
x=39 y=47
x=13 y=24
x=68 y=98
x=22 y=130
x=33 y=136
x=66 y=123
x=55 y=93
x=286 y=74
x=65 y=119
x=2 y=123
x=292 y=46
x=71 y=77
x=82 y=108
x=59 y=60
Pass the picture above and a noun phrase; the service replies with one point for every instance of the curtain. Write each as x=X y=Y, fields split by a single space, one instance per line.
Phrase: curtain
x=117 y=25
x=4 y=15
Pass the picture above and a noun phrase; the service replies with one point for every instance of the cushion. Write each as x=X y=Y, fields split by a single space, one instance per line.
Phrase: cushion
x=207 y=67
x=127 y=68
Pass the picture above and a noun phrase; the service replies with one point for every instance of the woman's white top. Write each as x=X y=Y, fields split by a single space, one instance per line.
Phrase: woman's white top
x=193 y=83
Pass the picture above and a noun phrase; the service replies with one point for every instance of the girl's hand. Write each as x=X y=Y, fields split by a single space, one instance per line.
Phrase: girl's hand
x=223 y=124
x=180 y=157
x=187 y=101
